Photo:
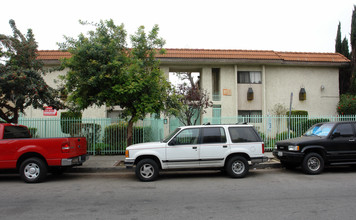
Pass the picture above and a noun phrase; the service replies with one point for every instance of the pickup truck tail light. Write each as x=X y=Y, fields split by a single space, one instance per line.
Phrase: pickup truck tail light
x=65 y=147
x=263 y=148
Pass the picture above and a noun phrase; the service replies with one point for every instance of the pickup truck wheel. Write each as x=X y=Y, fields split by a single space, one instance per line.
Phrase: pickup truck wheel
x=237 y=167
x=313 y=164
x=147 y=170
x=33 y=170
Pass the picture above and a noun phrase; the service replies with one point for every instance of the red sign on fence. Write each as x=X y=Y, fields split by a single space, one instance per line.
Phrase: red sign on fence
x=49 y=111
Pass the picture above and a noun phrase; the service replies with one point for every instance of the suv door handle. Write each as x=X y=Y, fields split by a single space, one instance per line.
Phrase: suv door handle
x=225 y=146
x=352 y=140
x=195 y=148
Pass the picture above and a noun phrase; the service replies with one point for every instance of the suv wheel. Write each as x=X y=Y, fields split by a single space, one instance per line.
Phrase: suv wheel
x=313 y=164
x=237 y=167
x=147 y=170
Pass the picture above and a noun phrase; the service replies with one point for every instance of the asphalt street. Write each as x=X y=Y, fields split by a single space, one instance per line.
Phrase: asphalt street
x=263 y=194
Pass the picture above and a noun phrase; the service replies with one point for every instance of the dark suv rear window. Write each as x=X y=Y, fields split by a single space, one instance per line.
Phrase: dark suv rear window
x=11 y=132
x=243 y=134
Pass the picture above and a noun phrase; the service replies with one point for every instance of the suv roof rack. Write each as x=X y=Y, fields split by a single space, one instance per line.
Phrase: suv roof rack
x=241 y=123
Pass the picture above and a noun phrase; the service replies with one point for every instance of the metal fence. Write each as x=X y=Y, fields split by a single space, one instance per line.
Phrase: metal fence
x=104 y=135
x=275 y=128
x=108 y=136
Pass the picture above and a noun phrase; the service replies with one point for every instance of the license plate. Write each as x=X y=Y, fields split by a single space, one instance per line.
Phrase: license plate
x=280 y=153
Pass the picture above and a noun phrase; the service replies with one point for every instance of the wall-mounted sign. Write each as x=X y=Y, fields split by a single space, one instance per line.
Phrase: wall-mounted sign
x=49 y=111
x=227 y=92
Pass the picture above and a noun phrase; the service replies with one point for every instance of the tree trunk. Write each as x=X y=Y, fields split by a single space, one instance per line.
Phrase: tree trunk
x=130 y=132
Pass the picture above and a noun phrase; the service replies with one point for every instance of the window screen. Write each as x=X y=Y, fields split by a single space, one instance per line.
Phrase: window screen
x=243 y=134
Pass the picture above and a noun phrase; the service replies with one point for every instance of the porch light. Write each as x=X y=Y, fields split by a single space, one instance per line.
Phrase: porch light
x=302 y=94
x=250 y=94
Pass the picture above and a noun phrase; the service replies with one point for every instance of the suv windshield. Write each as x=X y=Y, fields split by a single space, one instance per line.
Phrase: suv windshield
x=321 y=130
x=171 y=135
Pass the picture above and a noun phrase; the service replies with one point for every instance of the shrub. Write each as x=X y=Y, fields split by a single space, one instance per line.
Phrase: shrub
x=91 y=132
x=100 y=148
x=70 y=121
x=115 y=135
x=33 y=132
x=347 y=105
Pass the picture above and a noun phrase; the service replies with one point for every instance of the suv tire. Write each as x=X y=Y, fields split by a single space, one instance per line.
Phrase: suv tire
x=147 y=170
x=313 y=164
x=237 y=167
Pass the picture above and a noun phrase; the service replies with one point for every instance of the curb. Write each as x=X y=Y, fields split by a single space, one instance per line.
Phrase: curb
x=271 y=164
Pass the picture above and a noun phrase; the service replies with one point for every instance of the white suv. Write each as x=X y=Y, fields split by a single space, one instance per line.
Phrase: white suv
x=229 y=147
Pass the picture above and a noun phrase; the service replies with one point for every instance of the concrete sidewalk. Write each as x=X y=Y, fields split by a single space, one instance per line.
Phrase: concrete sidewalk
x=115 y=163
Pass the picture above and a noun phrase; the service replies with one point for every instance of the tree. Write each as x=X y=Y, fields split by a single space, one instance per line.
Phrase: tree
x=104 y=71
x=338 y=43
x=194 y=100
x=353 y=50
x=21 y=81
x=344 y=72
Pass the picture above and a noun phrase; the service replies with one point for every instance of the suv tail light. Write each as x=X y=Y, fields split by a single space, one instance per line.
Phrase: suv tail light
x=65 y=147
x=263 y=148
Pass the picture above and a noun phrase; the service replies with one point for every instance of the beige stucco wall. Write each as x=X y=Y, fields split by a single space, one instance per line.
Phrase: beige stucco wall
x=282 y=81
x=53 y=81
x=277 y=84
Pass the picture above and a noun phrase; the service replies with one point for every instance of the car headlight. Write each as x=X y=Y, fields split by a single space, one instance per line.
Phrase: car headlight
x=293 y=148
x=275 y=147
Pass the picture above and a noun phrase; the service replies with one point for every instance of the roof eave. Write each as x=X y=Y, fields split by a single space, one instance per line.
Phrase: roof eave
x=250 y=61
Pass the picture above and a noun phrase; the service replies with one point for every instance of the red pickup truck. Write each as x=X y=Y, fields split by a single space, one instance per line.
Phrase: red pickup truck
x=34 y=157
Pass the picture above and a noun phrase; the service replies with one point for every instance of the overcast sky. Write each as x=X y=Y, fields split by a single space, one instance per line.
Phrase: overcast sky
x=279 y=25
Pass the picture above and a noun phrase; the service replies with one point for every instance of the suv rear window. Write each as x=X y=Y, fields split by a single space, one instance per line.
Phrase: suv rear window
x=16 y=132
x=214 y=135
x=243 y=134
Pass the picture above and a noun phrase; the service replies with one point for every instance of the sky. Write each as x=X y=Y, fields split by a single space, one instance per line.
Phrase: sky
x=279 y=25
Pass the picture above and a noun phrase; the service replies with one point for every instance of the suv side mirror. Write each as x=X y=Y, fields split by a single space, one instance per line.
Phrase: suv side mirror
x=172 y=142
x=336 y=134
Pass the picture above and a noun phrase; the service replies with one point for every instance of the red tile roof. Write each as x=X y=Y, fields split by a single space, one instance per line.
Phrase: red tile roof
x=225 y=54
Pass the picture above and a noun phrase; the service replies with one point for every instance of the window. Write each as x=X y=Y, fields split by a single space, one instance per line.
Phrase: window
x=253 y=77
x=216 y=84
x=16 y=132
x=344 y=130
x=243 y=134
x=253 y=116
x=216 y=114
x=187 y=136
x=214 y=135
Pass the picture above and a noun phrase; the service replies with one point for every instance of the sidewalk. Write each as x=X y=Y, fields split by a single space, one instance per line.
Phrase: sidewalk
x=115 y=163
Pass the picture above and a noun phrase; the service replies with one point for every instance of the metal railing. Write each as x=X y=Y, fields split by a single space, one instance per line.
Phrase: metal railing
x=108 y=136
x=275 y=128
x=104 y=135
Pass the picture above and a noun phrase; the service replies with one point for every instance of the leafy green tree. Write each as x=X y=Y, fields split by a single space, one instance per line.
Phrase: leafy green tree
x=104 y=71
x=21 y=81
